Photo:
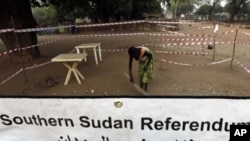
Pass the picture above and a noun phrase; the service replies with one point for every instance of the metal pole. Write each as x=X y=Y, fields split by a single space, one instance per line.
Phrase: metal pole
x=233 y=49
x=20 y=50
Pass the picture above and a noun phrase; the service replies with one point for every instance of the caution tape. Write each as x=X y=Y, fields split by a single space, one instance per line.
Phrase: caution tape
x=243 y=66
x=168 y=22
x=12 y=76
x=22 y=69
x=31 y=46
x=179 y=47
x=205 y=27
x=7 y=30
x=67 y=37
x=187 y=39
x=89 y=25
x=36 y=66
x=109 y=24
x=243 y=44
x=165 y=34
x=192 y=43
x=202 y=35
x=8 y=52
x=113 y=50
x=185 y=52
x=245 y=33
x=112 y=34
x=179 y=34
x=168 y=26
x=227 y=32
x=41 y=29
x=196 y=65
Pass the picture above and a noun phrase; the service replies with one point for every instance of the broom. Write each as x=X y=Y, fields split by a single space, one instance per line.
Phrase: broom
x=139 y=89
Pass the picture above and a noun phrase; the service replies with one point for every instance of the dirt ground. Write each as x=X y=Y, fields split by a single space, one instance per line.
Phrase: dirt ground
x=108 y=78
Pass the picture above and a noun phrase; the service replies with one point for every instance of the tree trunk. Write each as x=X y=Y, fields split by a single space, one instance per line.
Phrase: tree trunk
x=232 y=15
x=17 y=14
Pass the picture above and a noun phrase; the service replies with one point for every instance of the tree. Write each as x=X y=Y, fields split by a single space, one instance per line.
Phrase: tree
x=174 y=5
x=209 y=9
x=102 y=10
x=184 y=8
x=139 y=7
x=45 y=15
x=17 y=14
x=68 y=10
x=234 y=7
x=107 y=9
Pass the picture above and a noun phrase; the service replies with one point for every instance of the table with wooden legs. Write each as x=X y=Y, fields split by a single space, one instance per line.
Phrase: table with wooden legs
x=71 y=62
x=96 y=47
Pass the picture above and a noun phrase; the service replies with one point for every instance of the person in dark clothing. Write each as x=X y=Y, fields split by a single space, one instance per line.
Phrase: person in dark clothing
x=72 y=28
x=145 y=58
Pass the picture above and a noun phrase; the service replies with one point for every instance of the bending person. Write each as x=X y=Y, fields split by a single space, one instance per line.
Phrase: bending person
x=145 y=58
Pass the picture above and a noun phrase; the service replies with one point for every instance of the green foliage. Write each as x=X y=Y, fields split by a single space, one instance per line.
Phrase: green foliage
x=203 y=10
x=184 y=8
x=237 y=7
x=103 y=10
x=71 y=9
x=145 y=6
x=45 y=15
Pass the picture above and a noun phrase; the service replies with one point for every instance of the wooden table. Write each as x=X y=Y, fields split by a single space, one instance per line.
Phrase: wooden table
x=95 y=46
x=71 y=62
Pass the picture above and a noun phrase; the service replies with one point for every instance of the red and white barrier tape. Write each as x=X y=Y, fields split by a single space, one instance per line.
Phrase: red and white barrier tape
x=165 y=34
x=40 y=29
x=192 y=43
x=245 y=33
x=12 y=76
x=243 y=66
x=91 y=25
x=168 y=22
x=227 y=32
x=36 y=66
x=113 y=50
x=185 y=52
x=205 y=27
x=39 y=44
x=167 y=26
x=27 y=68
x=187 y=39
x=196 y=65
x=110 y=35
x=243 y=44
x=202 y=35
x=108 y=24
x=7 y=30
x=179 y=47
x=8 y=52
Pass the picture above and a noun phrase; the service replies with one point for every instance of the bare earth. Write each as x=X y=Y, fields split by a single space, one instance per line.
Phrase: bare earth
x=108 y=78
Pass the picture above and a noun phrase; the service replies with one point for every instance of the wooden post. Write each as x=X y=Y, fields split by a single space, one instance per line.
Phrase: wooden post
x=162 y=42
x=215 y=30
x=236 y=33
x=214 y=48
x=203 y=38
x=19 y=49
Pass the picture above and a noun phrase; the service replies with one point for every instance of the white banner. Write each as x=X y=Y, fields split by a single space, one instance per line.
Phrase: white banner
x=120 y=119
